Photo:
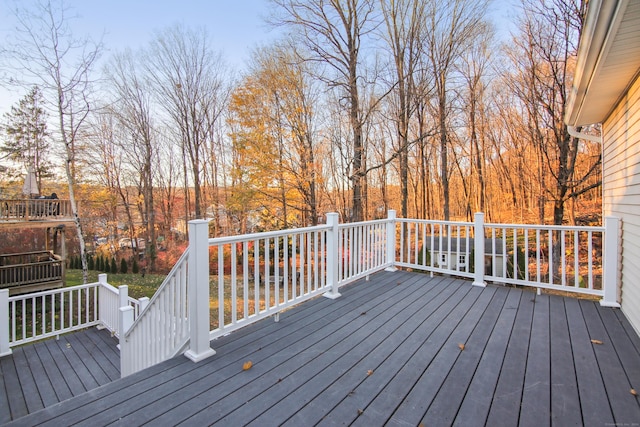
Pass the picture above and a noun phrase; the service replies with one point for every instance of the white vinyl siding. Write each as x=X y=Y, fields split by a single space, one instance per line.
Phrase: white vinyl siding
x=621 y=191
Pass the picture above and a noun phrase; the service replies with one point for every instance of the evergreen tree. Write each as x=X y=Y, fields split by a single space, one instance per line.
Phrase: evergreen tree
x=91 y=263
x=114 y=266
x=26 y=140
x=134 y=268
x=107 y=266
x=100 y=263
x=123 y=266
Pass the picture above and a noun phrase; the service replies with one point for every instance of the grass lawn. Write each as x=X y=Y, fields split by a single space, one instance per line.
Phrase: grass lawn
x=138 y=286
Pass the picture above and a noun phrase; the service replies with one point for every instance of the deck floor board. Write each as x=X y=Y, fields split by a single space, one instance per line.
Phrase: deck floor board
x=444 y=408
x=387 y=351
x=47 y=372
x=53 y=375
x=565 y=401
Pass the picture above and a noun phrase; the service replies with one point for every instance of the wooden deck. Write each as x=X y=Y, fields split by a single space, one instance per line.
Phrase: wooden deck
x=401 y=349
x=42 y=374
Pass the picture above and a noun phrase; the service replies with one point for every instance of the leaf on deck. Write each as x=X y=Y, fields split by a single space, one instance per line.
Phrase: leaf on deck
x=247 y=365
x=596 y=342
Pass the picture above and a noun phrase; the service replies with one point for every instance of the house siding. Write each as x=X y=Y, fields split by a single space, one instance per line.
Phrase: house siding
x=621 y=192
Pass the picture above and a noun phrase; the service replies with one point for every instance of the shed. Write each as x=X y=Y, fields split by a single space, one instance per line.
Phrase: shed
x=453 y=253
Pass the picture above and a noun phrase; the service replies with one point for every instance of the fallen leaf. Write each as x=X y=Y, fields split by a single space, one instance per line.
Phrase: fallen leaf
x=351 y=393
x=370 y=372
x=363 y=313
x=247 y=365
x=68 y=345
x=461 y=346
x=360 y=411
x=596 y=342
x=633 y=391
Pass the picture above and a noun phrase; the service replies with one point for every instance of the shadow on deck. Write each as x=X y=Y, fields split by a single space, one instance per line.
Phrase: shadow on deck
x=400 y=349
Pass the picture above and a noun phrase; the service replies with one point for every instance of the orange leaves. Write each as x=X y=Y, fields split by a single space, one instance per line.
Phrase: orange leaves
x=247 y=365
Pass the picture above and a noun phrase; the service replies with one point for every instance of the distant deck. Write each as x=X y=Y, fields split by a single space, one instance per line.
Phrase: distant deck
x=400 y=349
x=39 y=212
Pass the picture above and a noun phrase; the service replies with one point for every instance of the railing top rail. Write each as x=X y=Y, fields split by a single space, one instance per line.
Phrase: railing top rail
x=24 y=253
x=110 y=288
x=434 y=221
x=357 y=224
x=158 y=291
x=265 y=235
x=547 y=227
x=506 y=225
x=43 y=199
x=54 y=291
x=30 y=264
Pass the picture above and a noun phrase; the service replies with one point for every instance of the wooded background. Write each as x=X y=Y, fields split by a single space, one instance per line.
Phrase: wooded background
x=363 y=106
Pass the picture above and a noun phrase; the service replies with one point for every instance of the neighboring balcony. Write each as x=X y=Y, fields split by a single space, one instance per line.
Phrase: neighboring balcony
x=36 y=211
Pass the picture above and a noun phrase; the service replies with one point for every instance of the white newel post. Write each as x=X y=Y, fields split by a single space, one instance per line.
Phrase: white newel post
x=125 y=321
x=391 y=241
x=198 y=291
x=5 y=350
x=478 y=247
x=333 y=255
x=123 y=301
x=103 y=303
x=610 y=262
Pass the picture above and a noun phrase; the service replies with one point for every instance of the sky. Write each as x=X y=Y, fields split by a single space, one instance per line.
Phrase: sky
x=236 y=26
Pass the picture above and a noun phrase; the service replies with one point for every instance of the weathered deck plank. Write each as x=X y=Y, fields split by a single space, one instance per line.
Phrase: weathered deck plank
x=596 y=411
x=479 y=395
x=508 y=394
x=387 y=351
x=614 y=377
x=42 y=374
x=535 y=408
x=445 y=406
x=565 y=400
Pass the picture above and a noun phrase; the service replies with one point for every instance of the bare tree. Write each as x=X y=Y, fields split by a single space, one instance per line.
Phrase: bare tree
x=451 y=26
x=132 y=107
x=188 y=79
x=474 y=67
x=333 y=32
x=404 y=28
x=543 y=54
x=44 y=51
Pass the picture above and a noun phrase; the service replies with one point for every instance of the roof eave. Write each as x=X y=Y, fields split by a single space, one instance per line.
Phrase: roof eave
x=600 y=21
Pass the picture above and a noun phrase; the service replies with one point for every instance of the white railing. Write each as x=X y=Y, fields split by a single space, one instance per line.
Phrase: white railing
x=362 y=249
x=111 y=299
x=258 y=275
x=45 y=314
x=436 y=246
x=161 y=330
x=565 y=258
x=222 y=284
